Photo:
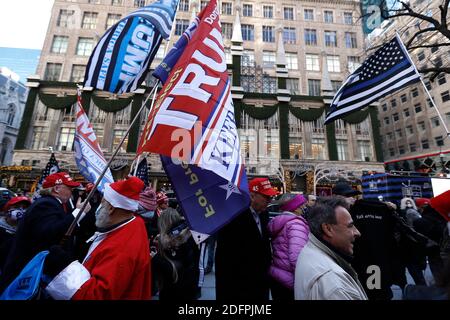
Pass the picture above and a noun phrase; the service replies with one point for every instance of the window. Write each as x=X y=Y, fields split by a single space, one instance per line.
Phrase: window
x=311 y=37
x=386 y=120
x=11 y=114
x=418 y=108
x=414 y=92
x=403 y=98
x=409 y=130
x=291 y=61
x=390 y=136
x=391 y=152
x=248 y=58
x=288 y=13
x=289 y=35
x=59 y=44
x=268 y=12
x=412 y=147
x=183 y=5
x=116 y=2
x=77 y=74
x=268 y=33
x=112 y=19
x=180 y=26
x=406 y=113
x=435 y=122
x=328 y=16
x=94 y=1
x=445 y=96
x=348 y=18
x=227 y=8
x=269 y=58
x=439 y=141
x=139 y=3
x=330 y=39
x=247 y=10
x=309 y=14
x=89 y=20
x=314 y=87
x=421 y=125
x=350 y=40
x=85 y=46
x=342 y=147
x=434 y=49
x=398 y=133
x=427 y=84
x=425 y=144
x=393 y=103
x=227 y=30
x=395 y=117
x=65 y=141
x=118 y=135
x=269 y=85
x=352 y=63
x=65 y=18
x=248 y=32
x=441 y=78
x=384 y=107
x=203 y=3
x=318 y=148
x=228 y=56
x=421 y=56
x=401 y=150
x=53 y=71
x=336 y=85
x=312 y=62
x=292 y=85
x=333 y=64
x=40 y=136
x=438 y=62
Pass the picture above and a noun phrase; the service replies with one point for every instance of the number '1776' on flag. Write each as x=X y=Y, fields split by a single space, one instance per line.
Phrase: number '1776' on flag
x=389 y=69
x=194 y=116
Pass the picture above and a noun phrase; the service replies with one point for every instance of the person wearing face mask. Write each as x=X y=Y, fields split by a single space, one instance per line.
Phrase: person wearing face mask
x=345 y=190
x=14 y=210
x=44 y=224
x=289 y=234
x=117 y=265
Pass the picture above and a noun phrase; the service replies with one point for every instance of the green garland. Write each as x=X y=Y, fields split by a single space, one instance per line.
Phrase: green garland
x=373 y=111
x=238 y=113
x=284 y=130
x=260 y=113
x=109 y=105
x=54 y=102
x=357 y=117
x=25 y=125
x=86 y=100
x=331 y=139
x=134 y=131
x=306 y=114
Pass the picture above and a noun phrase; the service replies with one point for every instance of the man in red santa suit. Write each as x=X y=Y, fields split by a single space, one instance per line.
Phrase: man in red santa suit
x=117 y=266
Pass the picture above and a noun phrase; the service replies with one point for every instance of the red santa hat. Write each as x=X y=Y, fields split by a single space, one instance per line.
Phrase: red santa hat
x=124 y=194
x=441 y=204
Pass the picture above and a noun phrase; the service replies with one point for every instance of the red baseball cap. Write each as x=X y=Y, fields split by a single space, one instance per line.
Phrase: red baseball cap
x=441 y=204
x=420 y=202
x=59 y=178
x=16 y=200
x=262 y=186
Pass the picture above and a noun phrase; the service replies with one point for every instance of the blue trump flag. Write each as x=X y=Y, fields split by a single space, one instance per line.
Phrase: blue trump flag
x=121 y=59
x=209 y=177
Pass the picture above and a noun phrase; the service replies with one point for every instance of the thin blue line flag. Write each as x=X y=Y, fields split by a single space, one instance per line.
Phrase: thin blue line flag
x=120 y=61
x=388 y=70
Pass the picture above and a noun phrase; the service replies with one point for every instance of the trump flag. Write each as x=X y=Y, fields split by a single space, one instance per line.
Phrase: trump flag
x=194 y=117
x=88 y=155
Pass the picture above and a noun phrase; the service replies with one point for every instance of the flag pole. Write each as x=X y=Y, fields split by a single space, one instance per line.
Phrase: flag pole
x=425 y=87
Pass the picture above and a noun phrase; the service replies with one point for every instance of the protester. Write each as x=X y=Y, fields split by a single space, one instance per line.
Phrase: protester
x=14 y=211
x=176 y=265
x=211 y=248
x=289 y=234
x=323 y=271
x=147 y=208
x=43 y=225
x=117 y=266
x=421 y=203
x=163 y=202
x=344 y=189
x=243 y=249
x=409 y=210
x=311 y=200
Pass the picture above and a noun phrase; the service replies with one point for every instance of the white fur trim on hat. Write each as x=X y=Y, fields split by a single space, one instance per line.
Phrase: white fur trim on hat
x=119 y=201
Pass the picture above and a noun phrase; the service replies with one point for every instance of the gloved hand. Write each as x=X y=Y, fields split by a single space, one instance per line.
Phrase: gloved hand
x=56 y=260
x=78 y=208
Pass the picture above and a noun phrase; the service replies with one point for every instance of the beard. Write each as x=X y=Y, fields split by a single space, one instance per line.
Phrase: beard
x=102 y=219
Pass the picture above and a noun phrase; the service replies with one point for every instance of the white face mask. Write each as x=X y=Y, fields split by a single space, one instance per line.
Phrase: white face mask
x=16 y=214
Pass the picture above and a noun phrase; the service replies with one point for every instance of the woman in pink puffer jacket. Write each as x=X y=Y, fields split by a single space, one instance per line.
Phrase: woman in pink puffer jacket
x=289 y=233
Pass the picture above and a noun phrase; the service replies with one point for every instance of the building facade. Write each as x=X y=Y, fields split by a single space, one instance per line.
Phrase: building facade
x=414 y=136
x=286 y=58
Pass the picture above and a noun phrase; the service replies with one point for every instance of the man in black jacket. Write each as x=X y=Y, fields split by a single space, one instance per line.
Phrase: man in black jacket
x=243 y=249
x=43 y=225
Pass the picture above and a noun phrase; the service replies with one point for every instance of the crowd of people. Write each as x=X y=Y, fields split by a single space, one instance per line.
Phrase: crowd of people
x=129 y=243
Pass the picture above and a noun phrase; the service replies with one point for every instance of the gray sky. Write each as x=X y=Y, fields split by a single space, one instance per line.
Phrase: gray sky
x=23 y=23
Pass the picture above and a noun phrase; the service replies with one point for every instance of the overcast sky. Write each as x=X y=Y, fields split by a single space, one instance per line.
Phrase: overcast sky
x=23 y=23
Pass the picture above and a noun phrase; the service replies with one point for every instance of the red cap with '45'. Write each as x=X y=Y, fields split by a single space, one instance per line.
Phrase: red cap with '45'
x=262 y=186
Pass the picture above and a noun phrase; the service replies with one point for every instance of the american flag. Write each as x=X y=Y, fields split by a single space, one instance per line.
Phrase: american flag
x=142 y=171
x=389 y=69
x=52 y=167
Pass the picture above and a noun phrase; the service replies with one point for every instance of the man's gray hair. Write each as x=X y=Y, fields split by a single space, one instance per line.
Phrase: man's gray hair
x=324 y=212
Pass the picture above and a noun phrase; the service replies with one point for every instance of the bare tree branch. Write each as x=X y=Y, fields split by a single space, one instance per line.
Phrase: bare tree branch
x=430 y=45
x=410 y=41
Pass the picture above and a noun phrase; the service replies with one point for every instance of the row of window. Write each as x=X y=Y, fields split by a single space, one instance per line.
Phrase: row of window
x=89 y=20
x=425 y=144
x=445 y=96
